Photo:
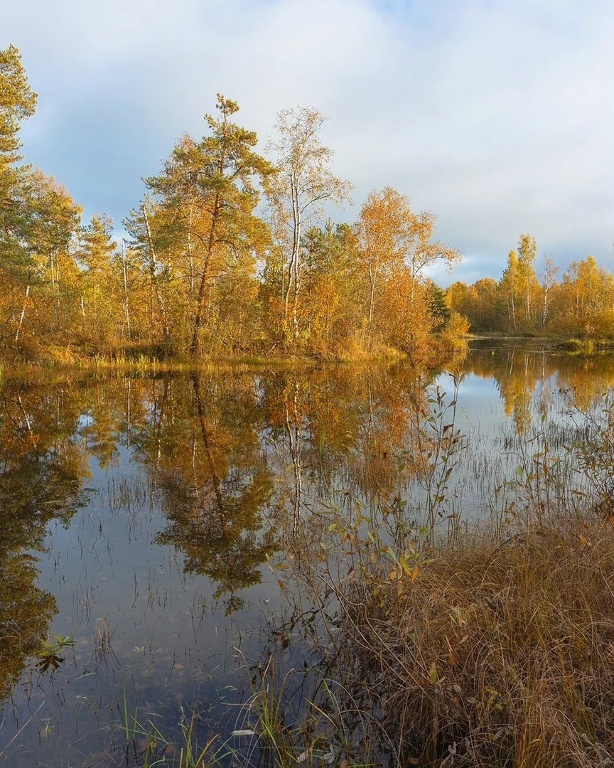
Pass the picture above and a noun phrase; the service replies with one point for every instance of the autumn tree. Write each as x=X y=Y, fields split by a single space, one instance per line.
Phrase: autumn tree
x=380 y=230
x=38 y=220
x=438 y=306
x=548 y=282
x=528 y=282
x=508 y=288
x=478 y=303
x=40 y=270
x=17 y=103
x=98 y=308
x=146 y=226
x=205 y=223
x=394 y=246
x=297 y=193
x=331 y=281
x=583 y=305
x=519 y=288
x=52 y=220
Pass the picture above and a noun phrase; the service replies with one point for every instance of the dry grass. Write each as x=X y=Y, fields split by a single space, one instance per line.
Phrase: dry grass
x=496 y=654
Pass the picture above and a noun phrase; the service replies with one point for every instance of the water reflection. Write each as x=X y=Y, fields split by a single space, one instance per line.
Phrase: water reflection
x=215 y=484
x=41 y=473
x=198 y=485
x=519 y=372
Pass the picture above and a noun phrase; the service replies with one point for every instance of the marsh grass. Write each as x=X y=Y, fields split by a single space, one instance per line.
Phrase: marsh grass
x=486 y=652
x=146 y=744
x=294 y=717
x=498 y=653
x=492 y=648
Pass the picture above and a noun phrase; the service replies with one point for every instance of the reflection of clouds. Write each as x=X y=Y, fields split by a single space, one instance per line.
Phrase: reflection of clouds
x=518 y=375
x=491 y=114
x=474 y=386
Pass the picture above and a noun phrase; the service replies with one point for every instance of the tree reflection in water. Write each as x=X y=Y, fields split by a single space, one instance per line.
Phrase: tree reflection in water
x=215 y=483
x=40 y=480
x=235 y=469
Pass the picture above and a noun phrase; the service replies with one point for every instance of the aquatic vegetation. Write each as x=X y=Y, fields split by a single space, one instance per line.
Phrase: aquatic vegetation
x=340 y=565
x=48 y=654
x=146 y=746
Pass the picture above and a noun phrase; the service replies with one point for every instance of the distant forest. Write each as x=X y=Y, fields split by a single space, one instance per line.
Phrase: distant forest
x=579 y=305
x=227 y=254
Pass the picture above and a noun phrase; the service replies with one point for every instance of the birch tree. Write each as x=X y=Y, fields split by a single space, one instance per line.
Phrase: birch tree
x=508 y=286
x=529 y=285
x=45 y=265
x=548 y=282
x=303 y=184
x=395 y=245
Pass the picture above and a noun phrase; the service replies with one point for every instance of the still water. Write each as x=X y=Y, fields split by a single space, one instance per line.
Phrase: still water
x=145 y=522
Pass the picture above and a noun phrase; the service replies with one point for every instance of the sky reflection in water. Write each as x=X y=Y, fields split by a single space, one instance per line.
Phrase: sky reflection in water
x=146 y=518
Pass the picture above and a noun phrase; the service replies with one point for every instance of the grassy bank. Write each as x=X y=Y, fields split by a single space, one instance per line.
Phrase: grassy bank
x=489 y=653
x=497 y=653
x=492 y=648
x=32 y=353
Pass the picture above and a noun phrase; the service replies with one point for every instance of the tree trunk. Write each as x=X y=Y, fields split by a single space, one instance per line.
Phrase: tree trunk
x=204 y=281
x=126 y=304
x=23 y=314
x=153 y=277
x=293 y=285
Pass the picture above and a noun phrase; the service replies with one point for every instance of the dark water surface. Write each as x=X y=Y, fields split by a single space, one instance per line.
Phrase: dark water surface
x=145 y=522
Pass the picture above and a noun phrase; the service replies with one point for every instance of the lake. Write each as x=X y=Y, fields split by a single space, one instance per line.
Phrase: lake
x=151 y=526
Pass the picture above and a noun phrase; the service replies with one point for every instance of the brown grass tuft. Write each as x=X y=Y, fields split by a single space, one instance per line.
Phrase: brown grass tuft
x=497 y=654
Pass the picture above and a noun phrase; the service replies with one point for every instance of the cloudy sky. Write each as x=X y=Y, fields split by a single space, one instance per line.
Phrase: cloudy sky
x=496 y=115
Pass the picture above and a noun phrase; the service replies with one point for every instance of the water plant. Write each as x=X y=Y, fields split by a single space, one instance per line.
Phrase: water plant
x=147 y=746
x=48 y=655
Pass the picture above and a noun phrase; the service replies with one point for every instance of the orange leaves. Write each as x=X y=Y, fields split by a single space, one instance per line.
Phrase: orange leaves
x=394 y=247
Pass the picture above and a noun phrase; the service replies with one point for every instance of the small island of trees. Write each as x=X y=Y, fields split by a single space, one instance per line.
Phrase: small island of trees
x=229 y=253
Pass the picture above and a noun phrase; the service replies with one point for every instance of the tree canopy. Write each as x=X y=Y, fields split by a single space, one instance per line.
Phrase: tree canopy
x=233 y=251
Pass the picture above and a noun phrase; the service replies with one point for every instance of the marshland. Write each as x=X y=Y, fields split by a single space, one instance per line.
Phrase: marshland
x=345 y=565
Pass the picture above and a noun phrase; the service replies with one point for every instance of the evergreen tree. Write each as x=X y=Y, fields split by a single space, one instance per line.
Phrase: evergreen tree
x=205 y=222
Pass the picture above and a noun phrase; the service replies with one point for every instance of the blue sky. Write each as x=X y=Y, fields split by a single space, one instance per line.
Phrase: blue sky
x=495 y=115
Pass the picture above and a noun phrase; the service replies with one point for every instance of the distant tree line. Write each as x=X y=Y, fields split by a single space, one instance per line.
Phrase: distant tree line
x=581 y=304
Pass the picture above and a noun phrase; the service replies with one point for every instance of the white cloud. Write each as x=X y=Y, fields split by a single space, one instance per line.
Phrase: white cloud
x=496 y=116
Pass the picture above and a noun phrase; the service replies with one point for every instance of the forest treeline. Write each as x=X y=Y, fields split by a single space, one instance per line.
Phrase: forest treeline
x=581 y=304
x=229 y=253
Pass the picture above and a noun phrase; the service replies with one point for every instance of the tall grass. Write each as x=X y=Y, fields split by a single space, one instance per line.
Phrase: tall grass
x=498 y=653
x=490 y=649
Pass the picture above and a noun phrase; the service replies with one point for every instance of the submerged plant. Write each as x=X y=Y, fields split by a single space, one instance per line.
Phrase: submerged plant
x=48 y=654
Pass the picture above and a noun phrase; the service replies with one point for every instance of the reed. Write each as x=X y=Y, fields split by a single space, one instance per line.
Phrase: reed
x=490 y=648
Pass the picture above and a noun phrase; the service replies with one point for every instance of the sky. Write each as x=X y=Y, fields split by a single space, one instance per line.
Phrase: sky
x=495 y=115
